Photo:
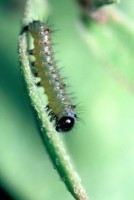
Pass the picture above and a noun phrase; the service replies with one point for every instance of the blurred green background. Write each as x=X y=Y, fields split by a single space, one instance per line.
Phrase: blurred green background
x=102 y=144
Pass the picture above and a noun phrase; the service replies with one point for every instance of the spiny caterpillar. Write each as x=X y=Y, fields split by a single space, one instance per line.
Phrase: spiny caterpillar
x=59 y=105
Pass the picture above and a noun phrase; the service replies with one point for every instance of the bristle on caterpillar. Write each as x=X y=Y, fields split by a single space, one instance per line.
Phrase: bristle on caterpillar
x=60 y=106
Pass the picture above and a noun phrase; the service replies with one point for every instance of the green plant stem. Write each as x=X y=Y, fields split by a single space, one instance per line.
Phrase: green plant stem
x=37 y=10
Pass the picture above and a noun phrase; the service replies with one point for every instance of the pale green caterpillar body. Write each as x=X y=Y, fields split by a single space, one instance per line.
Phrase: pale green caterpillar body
x=60 y=106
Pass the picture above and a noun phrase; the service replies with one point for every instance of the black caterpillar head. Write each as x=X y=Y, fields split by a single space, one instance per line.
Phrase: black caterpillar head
x=65 y=124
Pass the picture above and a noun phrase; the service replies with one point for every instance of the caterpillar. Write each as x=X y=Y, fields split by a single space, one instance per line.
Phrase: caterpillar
x=60 y=106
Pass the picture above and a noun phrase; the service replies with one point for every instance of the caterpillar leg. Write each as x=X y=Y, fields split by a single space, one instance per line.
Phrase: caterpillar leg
x=32 y=64
x=24 y=30
x=47 y=108
x=53 y=117
x=34 y=70
x=38 y=84
x=31 y=52
x=35 y=74
x=50 y=113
